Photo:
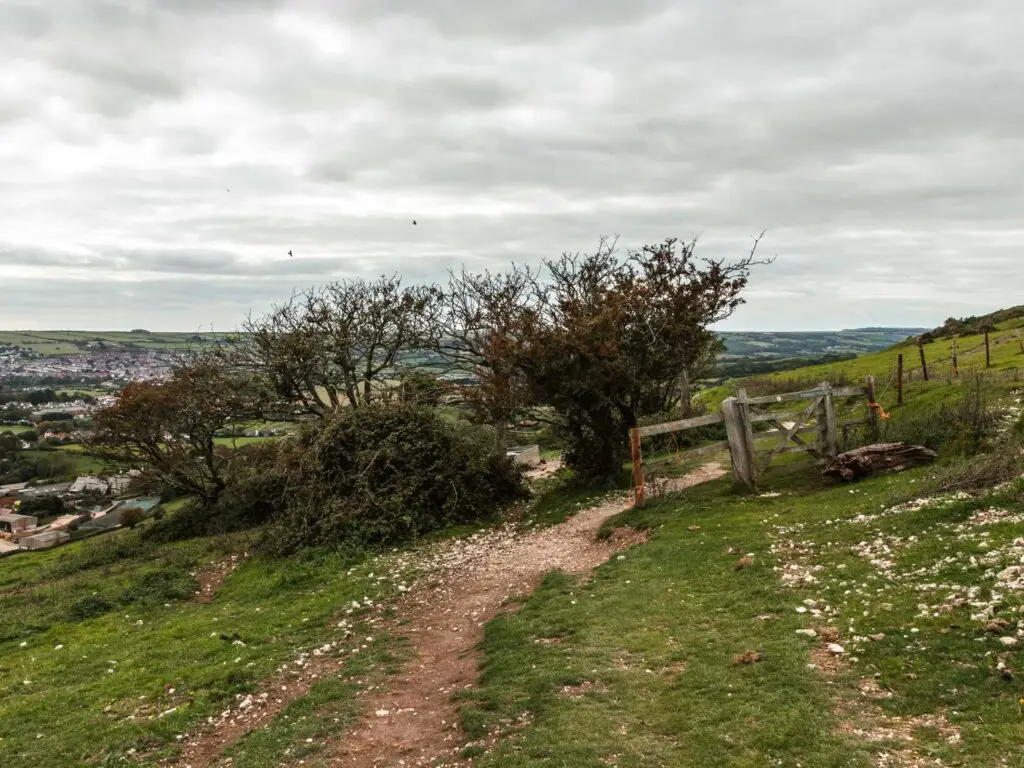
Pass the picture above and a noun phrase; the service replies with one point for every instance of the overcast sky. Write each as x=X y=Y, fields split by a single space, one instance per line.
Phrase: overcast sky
x=159 y=159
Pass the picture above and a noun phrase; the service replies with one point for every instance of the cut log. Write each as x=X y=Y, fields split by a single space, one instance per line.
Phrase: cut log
x=873 y=459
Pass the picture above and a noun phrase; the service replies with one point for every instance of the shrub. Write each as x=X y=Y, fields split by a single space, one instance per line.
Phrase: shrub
x=89 y=607
x=163 y=586
x=132 y=516
x=1003 y=464
x=383 y=474
x=961 y=427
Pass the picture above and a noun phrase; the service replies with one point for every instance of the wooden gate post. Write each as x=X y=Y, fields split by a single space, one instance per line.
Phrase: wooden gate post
x=828 y=437
x=737 y=427
x=638 y=465
x=872 y=410
x=899 y=380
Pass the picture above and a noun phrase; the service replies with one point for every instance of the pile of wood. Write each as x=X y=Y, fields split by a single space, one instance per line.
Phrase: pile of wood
x=872 y=459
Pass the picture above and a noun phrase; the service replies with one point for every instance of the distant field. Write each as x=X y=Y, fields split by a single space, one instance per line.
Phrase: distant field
x=240 y=441
x=81 y=463
x=772 y=345
x=73 y=342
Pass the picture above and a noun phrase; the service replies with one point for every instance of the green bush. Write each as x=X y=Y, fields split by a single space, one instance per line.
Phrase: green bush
x=384 y=474
x=132 y=516
x=89 y=607
x=163 y=586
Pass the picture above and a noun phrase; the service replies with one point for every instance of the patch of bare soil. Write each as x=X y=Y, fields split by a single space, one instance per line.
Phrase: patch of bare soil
x=212 y=578
x=414 y=720
x=546 y=468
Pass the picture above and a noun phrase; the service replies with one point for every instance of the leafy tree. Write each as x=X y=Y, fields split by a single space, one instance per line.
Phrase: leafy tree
x=42 y=506
x=132 y=516
x=9 y=444
x=41 y=396
x=482 y=327
x=612 y=336
x=328 y=348
x=167 y=429
x=422 y=388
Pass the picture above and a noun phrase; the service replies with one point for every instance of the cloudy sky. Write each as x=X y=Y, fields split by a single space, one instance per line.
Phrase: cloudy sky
x=158 y=160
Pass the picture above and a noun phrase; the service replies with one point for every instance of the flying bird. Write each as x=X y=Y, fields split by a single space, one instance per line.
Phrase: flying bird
x=289 y=253
x=414 y=222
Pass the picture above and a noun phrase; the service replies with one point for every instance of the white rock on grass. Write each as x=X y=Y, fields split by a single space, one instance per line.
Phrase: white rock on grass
x=807 y=632
x=1009 y=642
x=836 y=648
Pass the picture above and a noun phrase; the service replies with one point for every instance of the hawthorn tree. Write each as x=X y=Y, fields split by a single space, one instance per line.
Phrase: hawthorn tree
x=334 y=347
x=484 y=321
x=610 y=337
x=167 y=429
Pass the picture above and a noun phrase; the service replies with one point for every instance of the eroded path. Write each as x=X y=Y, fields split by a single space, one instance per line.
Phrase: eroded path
x=413 y=721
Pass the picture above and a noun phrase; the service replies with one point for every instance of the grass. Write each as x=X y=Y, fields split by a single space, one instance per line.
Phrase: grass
x=81 y=462
x=1006 y=356
x=77 y=690
x=238 y=442
x=635 y=667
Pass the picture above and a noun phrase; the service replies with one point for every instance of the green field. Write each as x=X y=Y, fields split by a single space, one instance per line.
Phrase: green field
x=779 y=345
x=73 y=342
x=81 y=463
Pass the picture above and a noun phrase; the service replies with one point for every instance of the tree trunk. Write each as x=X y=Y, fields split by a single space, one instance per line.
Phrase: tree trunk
x=872 y=459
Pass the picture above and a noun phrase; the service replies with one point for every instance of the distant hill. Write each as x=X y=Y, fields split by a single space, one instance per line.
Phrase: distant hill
x=769 y=344
x=753 y=352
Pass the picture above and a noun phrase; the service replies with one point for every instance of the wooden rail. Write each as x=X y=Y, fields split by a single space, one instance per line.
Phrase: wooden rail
x=739 y=416
x=678 y=426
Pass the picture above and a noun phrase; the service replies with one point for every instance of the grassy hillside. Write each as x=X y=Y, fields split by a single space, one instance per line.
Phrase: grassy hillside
x=640 y=665
x=634 y=667
x=105 y=653
x=1006 y=358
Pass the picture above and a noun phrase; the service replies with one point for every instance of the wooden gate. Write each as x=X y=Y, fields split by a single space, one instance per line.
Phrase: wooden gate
x=740 y=414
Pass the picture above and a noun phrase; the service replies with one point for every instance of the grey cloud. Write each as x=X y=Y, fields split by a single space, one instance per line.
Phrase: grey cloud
x=874 y=140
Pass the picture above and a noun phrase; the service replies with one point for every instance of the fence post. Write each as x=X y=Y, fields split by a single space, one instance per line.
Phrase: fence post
x=748 y=432
x=899 y=379
x=956 y=362
x=828 y=437
x=988 y=354
x=638 y=465
x=737 y=423
x=924 y=363
x=872 y=410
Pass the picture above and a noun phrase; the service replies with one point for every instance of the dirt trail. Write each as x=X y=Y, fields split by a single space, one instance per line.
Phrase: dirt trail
x=414 y=721
x=212 y=577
